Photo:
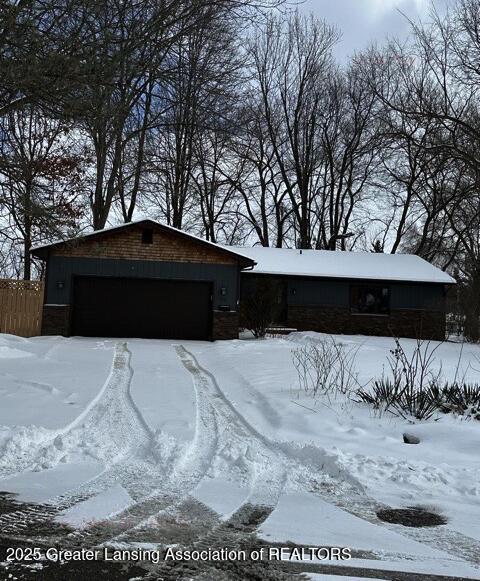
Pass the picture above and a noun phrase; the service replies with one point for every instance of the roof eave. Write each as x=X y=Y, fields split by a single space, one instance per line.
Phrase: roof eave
x=339 y=277
x=41 y=253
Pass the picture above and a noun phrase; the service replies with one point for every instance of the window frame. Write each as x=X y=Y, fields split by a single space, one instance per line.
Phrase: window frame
x=365 y=285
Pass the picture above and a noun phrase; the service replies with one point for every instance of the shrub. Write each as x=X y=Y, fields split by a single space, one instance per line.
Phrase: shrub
x=415 y=390
x=416 y=371
x=461 y=399
x=408 y=392
x=415 y=402
x=259 y=306
x=383 y=393
x=325 y=367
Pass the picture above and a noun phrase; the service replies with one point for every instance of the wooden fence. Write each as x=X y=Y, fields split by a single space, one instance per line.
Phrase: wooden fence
x=21 y=304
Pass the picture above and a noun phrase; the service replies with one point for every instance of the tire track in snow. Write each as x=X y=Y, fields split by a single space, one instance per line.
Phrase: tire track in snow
x=112 y=426
x=348 y=495
x=165 y=490
x=218 y=427
x=113 y=420
x=265 y=469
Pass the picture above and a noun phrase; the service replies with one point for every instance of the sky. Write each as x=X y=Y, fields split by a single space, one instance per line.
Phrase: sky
x=365 y=21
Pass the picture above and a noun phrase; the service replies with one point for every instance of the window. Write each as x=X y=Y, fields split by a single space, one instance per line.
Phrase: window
x=370 y=299
x=147 y=236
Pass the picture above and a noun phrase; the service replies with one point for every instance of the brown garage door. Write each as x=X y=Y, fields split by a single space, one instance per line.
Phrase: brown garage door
x=149 y=308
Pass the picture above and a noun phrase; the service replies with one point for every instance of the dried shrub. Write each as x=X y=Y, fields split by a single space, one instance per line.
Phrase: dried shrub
x=326 y=367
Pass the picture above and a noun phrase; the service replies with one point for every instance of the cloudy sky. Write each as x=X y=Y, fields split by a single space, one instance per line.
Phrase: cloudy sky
x=364 y=21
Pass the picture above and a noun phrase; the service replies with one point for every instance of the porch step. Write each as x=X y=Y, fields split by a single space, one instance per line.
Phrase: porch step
x=280 y=330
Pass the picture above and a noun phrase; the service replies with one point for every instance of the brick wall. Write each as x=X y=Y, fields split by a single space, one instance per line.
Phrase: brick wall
x=56 y=320
x=400 y=323
x=127 y=244
x=225 y=325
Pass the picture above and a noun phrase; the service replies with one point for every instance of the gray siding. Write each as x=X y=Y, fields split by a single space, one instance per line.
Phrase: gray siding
x=62 y=268
x=317 y=292
x=337 y=293
x=417 y=296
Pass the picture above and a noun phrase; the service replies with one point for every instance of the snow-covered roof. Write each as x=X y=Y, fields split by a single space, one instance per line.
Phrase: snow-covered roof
x=230 y=249
x=328 y=264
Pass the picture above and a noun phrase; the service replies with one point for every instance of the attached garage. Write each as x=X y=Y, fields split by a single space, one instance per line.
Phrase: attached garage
x=142 y=279
x=156 y=309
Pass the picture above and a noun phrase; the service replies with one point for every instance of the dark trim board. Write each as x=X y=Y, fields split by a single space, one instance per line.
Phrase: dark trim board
x=340 y=279
x=107 y=306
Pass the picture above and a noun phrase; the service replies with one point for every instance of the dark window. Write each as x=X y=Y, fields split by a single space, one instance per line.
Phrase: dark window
x=147 y=236
x=370 y=299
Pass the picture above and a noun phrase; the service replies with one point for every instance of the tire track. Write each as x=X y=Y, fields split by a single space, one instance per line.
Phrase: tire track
x=155 y=486
x=218 y=426
x=265 y=467
x=161 y=491
x=349 y=495
x=113 y=427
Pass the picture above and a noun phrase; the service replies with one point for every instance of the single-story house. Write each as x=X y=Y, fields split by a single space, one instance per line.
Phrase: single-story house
x=146 y=279
x=352 y=292
x=142 y=279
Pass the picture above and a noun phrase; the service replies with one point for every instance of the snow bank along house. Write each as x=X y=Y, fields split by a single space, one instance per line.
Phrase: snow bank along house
x=146 y=279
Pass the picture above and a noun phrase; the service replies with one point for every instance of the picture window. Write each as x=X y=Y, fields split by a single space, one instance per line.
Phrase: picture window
x=370 y=300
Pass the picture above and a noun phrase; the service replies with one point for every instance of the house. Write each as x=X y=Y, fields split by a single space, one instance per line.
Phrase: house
x=146 y=279
x=142 y=279
x=352 y=292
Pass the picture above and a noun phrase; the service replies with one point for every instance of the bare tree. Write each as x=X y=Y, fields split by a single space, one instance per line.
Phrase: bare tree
x=199 y=98
x=253 y=172
x=292 y=61
x=321 y=128
x=350 y=140
x=214 y=193
x=40 y=183
x=430 y=88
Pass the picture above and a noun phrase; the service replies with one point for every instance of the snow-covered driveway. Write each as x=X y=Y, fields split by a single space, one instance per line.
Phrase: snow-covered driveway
x=167 y=442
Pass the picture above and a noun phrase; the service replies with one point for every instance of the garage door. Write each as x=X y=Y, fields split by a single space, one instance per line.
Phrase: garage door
x=126 y=307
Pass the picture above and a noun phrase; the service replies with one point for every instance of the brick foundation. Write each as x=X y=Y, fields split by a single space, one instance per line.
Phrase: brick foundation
x=56 y=320
x=400 y=323
x=225 y=325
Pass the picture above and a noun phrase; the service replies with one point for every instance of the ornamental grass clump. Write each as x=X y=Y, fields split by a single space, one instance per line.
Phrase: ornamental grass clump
x=414 y=387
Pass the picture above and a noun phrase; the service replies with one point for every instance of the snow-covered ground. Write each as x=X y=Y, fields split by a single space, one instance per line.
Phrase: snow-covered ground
x=96 y=427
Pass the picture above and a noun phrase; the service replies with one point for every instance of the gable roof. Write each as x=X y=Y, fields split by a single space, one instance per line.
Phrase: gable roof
x=42 y=251
x=344 y=264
